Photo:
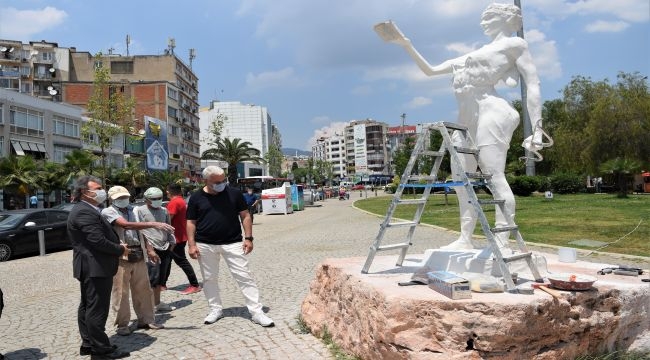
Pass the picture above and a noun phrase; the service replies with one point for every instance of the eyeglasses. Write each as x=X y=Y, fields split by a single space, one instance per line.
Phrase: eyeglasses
x=154 y=199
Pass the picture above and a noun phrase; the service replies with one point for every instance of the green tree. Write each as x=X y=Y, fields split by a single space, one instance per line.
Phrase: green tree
x=133 y=175
x=53 y=176
x=214 y=129
x=161 y=179
x=78 y=162
x=622 y=169
x=110 y=114
x=20 y=174
x=274 y=158
x=403 y=155
x=232 y=152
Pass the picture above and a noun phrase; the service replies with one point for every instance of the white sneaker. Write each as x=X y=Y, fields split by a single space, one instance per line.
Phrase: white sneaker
x=213 y=316
x=162 y=307
x=262 y=319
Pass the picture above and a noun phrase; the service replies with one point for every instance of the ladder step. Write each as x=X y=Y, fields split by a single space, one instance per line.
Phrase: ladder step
x=478 y=175
x=491 y=202
x=464 y=150
x=504 y=229
x=431 y=153
x=401 y=224
x=393 y=246
x=517 y=257
x=454 y=126
x=412 y=201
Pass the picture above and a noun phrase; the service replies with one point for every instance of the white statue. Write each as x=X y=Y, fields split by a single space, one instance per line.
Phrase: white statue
x=490 y=118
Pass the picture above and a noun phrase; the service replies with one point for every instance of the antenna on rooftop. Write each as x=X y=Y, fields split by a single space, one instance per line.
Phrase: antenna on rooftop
x=192 y=56
x=171 y=44
x=128 y=42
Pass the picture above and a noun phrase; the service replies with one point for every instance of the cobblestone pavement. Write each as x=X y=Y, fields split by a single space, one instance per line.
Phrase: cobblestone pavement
x=41 y=296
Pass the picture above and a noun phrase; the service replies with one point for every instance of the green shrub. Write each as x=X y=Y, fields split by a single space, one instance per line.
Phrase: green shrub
x=567 y=183
x=523 y=185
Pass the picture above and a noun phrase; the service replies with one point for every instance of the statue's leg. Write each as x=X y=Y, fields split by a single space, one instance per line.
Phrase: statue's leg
x=492 y=159
x=467 y=212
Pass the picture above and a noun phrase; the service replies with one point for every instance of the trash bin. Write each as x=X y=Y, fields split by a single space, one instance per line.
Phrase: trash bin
x=308 y=196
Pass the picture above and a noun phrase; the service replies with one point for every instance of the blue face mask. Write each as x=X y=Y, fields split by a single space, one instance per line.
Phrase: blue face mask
x=219 y=187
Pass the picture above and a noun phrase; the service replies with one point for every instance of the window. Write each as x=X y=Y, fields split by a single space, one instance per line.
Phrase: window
x=2 y=121
x=60 y=152
x=172 y=93
x=47 y=56
x=121 y=67
x=2 y=146
x=26 y=122
x=173 y=112
x=66 y=127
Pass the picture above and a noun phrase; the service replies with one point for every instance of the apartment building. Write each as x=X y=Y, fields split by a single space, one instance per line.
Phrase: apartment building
x=332 y=150
x=247 y=122
x=366 y=150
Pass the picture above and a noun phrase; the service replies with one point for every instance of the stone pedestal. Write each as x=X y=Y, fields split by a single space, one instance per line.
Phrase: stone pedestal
x=370 y=316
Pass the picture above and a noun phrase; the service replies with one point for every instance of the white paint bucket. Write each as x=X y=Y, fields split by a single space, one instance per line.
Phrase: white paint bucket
x=567 y=255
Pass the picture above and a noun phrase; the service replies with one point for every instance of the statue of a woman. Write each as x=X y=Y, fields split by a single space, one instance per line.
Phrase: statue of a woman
x=490 y=118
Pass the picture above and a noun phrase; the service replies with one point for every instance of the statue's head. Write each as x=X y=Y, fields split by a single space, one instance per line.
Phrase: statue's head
x=508 y=14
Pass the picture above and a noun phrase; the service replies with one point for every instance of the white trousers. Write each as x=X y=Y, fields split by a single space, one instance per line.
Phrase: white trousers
x=237 y=263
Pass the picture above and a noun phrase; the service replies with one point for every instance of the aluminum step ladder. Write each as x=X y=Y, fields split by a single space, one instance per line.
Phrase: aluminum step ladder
x=446 y=129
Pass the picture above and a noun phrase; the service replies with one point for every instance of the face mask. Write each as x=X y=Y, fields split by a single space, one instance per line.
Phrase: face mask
x=121 y=203
x=100 y=195
x=250 y=193
x=219 y=187
x=156 y=203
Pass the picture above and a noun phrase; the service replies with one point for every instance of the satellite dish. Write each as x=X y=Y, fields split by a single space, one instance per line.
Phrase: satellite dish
x=50 y=88
x=3 y=48
x=11 y=50
x=52 y=70
x=53 y=92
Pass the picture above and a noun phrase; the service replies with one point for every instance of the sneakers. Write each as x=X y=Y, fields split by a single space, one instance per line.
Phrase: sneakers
x=123 y=331
x=213 y=316
x=261 y=319
x=162 y=307
x=191 y=290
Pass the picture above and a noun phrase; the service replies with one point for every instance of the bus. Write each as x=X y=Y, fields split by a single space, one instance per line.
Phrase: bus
x=259 y=183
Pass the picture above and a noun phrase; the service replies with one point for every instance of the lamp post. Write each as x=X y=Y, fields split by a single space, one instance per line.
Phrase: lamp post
x=528 y=131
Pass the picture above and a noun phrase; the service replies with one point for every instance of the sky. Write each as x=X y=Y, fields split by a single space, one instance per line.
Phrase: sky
x=317 y=65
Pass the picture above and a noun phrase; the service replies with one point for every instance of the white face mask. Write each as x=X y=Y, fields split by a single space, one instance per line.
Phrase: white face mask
x=219 y=187
x=156 y=203
x=121 y=203
x=100 y=195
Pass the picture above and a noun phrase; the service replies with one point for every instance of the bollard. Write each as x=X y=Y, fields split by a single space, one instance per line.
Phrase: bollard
x=41 y=242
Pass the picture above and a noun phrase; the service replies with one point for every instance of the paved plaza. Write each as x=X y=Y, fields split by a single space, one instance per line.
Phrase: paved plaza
x=41 y=296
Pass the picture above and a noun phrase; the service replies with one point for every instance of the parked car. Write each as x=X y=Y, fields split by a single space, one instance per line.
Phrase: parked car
x=19 y=231
x=64 y=206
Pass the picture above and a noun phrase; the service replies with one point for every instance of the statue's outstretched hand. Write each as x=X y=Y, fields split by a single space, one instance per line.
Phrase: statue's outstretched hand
x=389 y=32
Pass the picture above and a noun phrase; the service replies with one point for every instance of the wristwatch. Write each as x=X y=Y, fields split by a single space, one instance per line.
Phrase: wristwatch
x=249 y=238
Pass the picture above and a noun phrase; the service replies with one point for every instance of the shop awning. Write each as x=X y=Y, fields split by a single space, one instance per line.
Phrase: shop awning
x=20 y=147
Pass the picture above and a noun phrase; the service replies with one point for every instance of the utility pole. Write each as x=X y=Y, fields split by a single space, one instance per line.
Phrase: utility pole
x=528 y=130
x=403 y=116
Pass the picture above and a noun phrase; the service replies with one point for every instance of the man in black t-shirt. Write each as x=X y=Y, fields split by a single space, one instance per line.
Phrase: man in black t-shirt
x=215 y=216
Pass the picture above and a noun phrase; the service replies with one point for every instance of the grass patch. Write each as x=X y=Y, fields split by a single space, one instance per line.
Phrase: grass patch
x=335 y=349
x=622 y=223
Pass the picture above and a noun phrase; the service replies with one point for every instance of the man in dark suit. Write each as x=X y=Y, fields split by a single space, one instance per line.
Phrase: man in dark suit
x=96 y=251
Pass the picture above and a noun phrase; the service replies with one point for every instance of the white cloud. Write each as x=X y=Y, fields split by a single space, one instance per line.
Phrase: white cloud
x=606 y=26
x=418 y=102
x=337 y=127
x=272 y=79
x=460 y=48
x=545 y=54
x=24 y=24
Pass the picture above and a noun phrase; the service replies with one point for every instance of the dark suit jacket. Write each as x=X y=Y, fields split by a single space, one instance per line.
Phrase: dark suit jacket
x=95 y=246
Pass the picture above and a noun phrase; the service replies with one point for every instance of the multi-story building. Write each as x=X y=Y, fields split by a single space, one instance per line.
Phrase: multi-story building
x=365 y=148
x=164 y=88
x=247 y=122
x=332 y=150
x=33 y=127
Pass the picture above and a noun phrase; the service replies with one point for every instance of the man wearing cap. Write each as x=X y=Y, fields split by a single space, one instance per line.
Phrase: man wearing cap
x=162 y=242
x=132 y=273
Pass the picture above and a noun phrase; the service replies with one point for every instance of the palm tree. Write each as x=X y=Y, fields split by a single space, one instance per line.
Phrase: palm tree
x=161 y=179
x=233 y=152
x=622 y=169
x=20 y=174
x=78 y=162
x=133 y=175
x=53 y=177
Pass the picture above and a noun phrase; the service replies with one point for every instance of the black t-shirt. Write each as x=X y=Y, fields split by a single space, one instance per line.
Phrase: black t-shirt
x=217 y=216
